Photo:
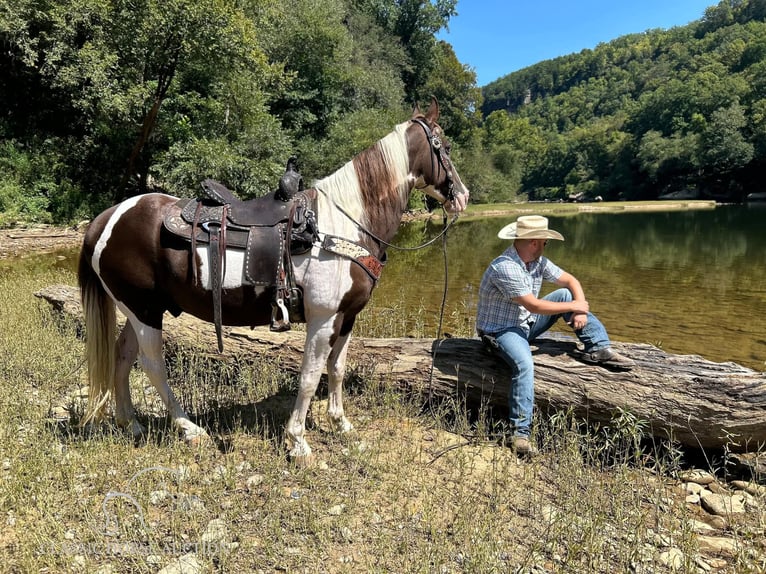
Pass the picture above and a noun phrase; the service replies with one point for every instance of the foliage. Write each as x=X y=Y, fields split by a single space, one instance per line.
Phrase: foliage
x=103 y=99
x=113 y=98
x=645 y=114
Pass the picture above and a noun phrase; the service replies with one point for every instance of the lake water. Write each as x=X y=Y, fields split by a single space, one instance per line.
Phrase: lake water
x=691 y=282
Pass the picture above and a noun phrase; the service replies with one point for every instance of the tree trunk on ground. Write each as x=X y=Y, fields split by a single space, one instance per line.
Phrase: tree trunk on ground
x=696 y=402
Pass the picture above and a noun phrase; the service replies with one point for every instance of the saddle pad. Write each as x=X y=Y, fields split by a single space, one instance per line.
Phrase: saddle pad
x=264 y=246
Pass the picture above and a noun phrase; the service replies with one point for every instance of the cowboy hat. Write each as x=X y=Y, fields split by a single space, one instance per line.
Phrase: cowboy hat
x=529 y=227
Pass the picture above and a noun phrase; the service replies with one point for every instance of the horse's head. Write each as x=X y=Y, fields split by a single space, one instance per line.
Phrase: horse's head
x=430 y=163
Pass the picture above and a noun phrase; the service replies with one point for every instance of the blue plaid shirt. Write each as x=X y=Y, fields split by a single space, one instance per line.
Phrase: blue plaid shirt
x=505 y=278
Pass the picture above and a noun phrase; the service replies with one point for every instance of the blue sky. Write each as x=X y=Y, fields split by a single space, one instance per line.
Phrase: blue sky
x=497 y=37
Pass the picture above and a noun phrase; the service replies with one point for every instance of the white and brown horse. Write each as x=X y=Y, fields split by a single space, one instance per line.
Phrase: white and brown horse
x=127 y=260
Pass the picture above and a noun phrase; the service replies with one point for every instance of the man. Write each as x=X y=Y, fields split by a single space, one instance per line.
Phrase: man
x=510 y=315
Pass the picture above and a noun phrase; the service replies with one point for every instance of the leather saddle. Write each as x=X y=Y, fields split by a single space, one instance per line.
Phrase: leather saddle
x=270 y=230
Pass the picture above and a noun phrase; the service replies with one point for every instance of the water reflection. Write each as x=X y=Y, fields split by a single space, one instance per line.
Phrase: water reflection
x=692 y=282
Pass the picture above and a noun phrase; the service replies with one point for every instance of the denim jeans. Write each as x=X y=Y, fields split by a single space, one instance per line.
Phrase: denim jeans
x=513 y=346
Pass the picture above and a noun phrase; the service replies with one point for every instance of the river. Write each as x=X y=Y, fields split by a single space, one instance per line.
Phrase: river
x=690 y=282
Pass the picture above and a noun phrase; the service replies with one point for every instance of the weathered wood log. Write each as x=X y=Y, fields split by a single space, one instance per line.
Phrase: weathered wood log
x=694 y=401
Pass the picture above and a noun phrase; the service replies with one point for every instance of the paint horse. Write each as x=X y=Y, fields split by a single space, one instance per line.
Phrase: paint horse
x=130 y=260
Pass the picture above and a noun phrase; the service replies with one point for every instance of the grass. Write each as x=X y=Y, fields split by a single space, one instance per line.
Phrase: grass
x=413 y=489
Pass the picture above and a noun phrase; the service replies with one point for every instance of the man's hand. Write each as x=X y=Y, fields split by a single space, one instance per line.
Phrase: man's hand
x=578 y=320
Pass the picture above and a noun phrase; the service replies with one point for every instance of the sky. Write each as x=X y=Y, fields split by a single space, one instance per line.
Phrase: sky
x=497 y=37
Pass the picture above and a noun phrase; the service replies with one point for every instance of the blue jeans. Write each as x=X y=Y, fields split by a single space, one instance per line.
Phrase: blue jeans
x=514 y=348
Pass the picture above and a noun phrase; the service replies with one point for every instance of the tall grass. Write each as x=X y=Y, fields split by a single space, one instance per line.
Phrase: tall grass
x=411 y=490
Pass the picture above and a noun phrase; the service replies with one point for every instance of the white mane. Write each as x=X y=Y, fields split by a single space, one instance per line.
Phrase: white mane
x=342 y=186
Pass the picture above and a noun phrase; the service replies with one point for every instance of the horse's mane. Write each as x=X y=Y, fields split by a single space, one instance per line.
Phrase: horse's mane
x=383 y=165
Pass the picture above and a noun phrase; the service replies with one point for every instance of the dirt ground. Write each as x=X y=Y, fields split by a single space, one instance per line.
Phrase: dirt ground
x=17 y=242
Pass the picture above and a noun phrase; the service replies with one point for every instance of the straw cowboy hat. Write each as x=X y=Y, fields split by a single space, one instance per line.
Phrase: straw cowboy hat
x=529 y=227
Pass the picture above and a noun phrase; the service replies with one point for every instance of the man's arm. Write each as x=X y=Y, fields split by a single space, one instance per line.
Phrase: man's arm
x=578 y=306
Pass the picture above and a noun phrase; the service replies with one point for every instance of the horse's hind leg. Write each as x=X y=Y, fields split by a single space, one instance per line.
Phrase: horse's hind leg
x=336 y=370
x=127 y=350
x=153 y=363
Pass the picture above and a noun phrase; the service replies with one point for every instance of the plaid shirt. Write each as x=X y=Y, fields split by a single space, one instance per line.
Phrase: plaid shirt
x=508 y=277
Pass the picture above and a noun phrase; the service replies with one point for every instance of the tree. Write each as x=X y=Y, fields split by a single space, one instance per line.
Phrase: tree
x=454 y=86
x=414 y=23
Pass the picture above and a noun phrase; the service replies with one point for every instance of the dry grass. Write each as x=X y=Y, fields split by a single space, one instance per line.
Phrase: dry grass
x=413 y=489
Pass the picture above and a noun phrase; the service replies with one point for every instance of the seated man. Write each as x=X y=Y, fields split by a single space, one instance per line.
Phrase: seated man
x=510 y=314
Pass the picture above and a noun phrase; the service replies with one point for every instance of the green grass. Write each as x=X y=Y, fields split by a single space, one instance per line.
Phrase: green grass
x=413 y=489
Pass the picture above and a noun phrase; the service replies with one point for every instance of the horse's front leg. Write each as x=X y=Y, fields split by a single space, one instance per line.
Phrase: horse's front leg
x=316 y=351
x=336 y=370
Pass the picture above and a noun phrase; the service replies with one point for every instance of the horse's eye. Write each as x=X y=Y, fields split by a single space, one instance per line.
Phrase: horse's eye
x=448 y=148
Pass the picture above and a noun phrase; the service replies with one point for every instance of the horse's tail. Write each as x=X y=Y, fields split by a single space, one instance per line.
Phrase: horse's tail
x=100 y=327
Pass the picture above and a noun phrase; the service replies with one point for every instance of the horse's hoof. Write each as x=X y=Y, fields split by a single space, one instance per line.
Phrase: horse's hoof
x=300 y=454
x=341 y=425
x=198 y=440
x=304 y=461
x=137 y=430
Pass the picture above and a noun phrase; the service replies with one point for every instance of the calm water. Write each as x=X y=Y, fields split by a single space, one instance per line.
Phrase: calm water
x=691 y=282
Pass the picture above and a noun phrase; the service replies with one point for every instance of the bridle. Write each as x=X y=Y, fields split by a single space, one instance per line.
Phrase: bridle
x=442 y=157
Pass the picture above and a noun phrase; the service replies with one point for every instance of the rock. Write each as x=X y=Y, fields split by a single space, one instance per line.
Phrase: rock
x=697 y=476
x=749 y=487
x=722 y=504
x=717 y=545
x=691 y=487
x=253 y=481
x=186 y=564
x=216 y=532
x=673 y=558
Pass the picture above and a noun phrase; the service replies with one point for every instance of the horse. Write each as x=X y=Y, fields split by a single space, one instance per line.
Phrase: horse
x=128 y=261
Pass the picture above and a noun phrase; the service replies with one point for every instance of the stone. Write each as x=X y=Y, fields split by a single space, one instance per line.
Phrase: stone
x=217 y=531
x=749 y=487
x=673 y=558
x=697 y=475
x=722 y=504
x=717 y=545
x=186 y=564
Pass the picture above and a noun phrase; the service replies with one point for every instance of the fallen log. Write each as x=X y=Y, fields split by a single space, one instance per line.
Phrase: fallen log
x=696 y=402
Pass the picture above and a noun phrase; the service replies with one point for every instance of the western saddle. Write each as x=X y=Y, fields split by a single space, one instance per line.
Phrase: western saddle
x=270 y=230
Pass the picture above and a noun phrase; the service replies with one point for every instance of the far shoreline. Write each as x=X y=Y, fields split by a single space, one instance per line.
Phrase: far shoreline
x=475 y=211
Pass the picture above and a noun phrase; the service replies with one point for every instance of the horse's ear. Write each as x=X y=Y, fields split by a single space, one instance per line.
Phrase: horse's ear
x=432 y=113
x=416 y=111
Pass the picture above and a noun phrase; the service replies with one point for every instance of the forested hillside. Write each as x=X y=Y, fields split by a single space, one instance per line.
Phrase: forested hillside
x=679 y=110
x=103 y=99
